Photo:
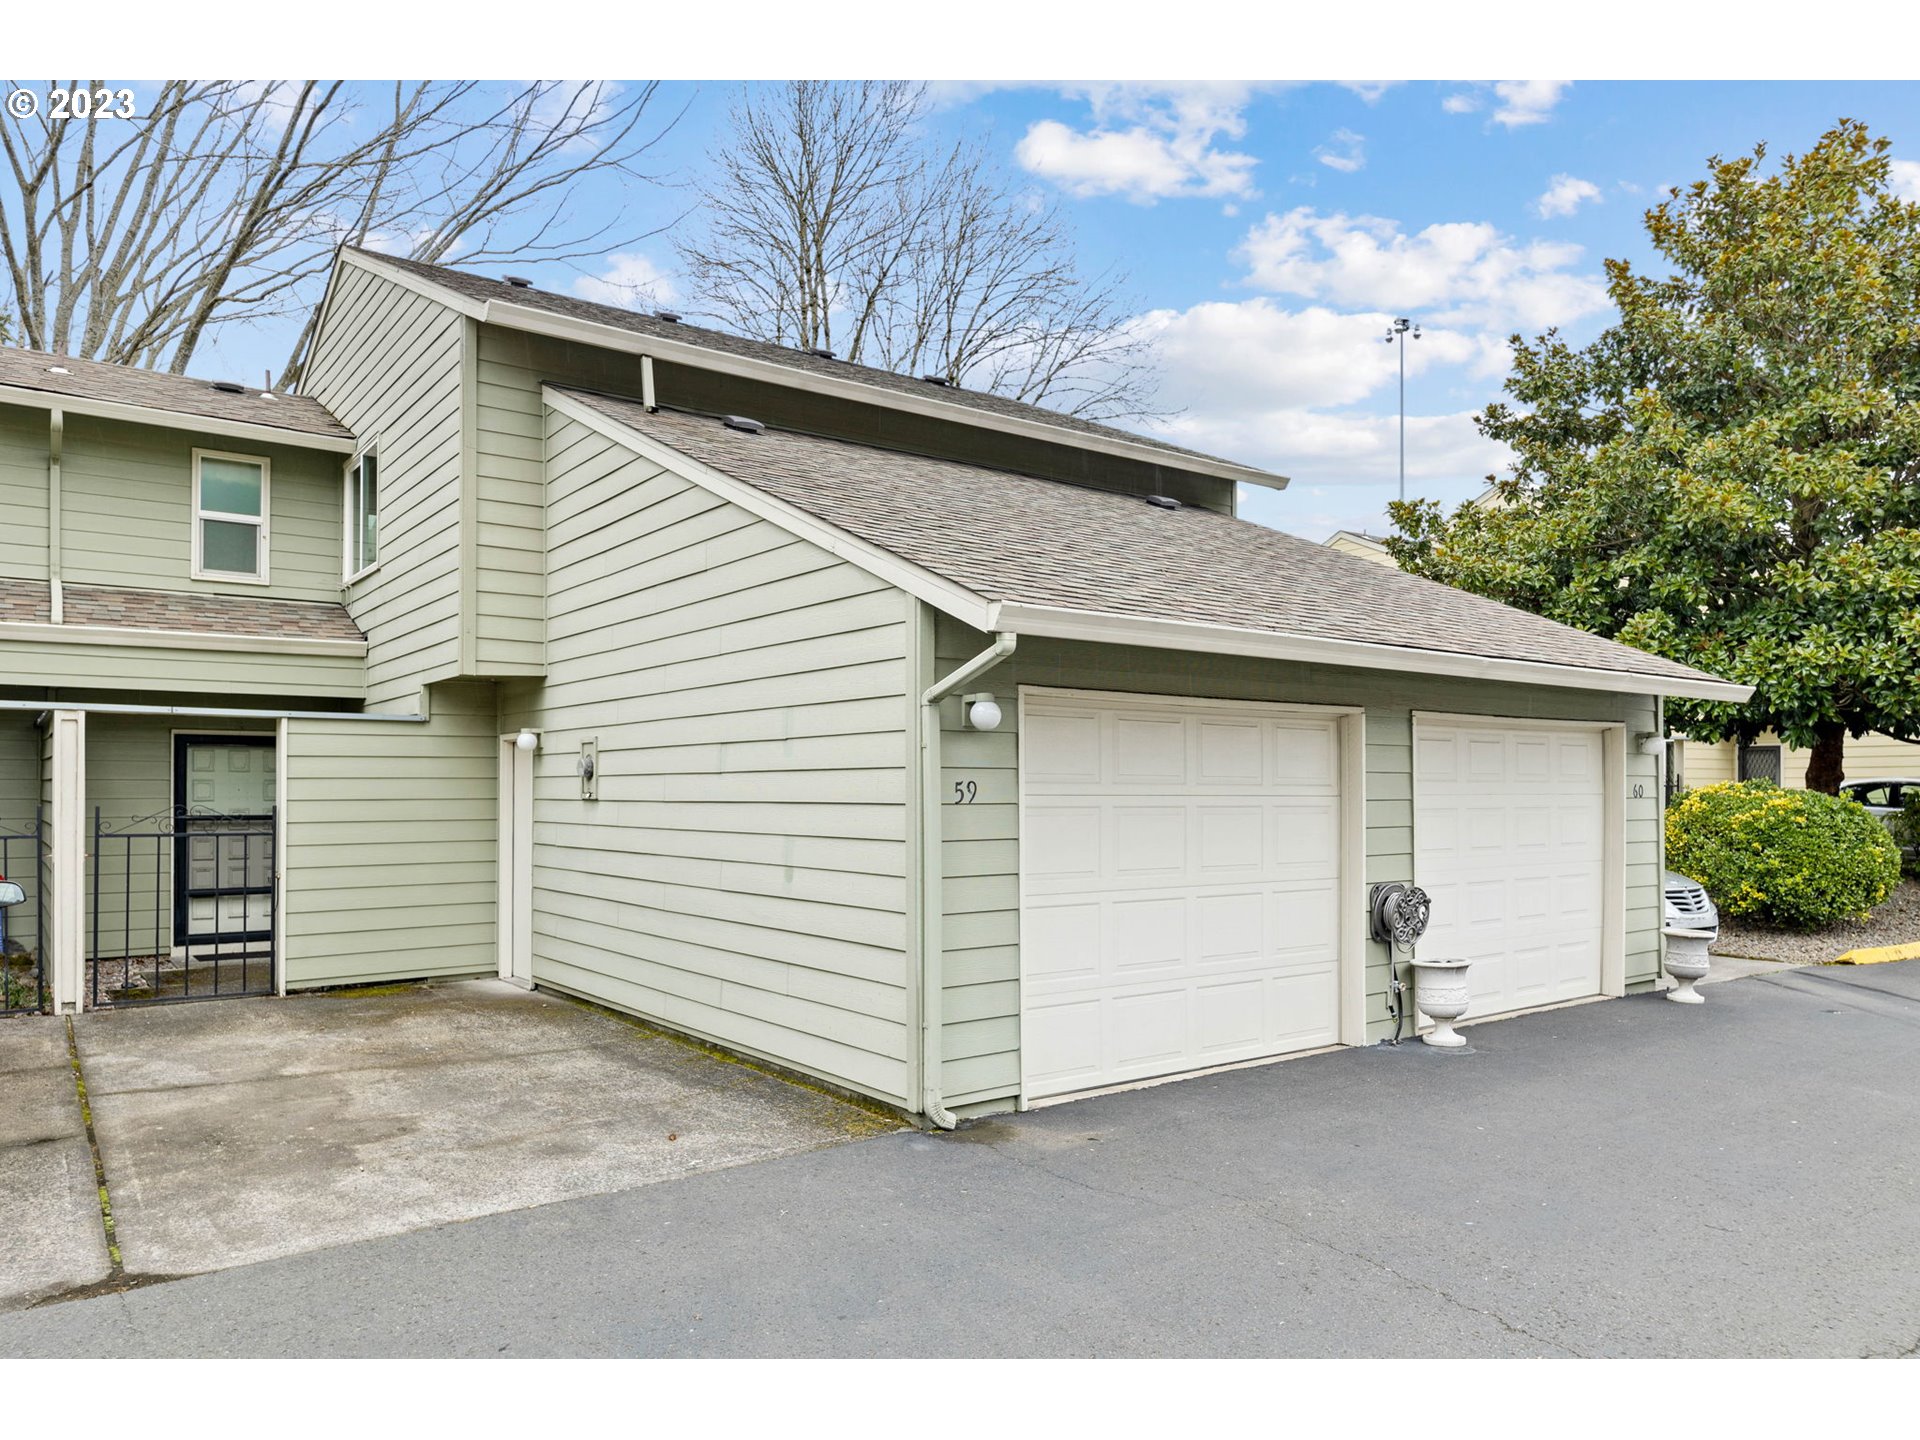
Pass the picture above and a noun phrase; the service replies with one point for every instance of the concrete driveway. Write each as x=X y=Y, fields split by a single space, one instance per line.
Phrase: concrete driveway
x=239 y=1131
x=1629 y=1178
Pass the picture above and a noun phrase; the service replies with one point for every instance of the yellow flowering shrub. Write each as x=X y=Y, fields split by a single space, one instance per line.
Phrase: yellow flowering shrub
x=1793 y=858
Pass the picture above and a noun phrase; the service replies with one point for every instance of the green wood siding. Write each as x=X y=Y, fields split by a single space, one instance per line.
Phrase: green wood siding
x=140 y=672
x=742 y=874
x=20 y=778
x=980 y=848
x=509 y=429
x=389 y=857
x=387 y=363
x=126 y=510
x=23 y=492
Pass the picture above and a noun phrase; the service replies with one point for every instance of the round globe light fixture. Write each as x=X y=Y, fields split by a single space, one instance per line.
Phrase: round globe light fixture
x=526 y=740
x=983 y=712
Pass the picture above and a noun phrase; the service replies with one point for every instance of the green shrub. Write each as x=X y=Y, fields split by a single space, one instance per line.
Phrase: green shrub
x=1792 y=858
x=1906 y=834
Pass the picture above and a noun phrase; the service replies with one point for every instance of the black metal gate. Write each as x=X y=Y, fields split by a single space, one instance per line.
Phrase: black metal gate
x=184 y=908
x=23 y=928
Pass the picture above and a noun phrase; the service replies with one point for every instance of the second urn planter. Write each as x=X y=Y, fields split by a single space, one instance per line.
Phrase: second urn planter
x=1441 y=994
x=1687 y=962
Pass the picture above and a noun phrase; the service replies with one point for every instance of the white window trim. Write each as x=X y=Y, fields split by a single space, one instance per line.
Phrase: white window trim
x=263 y=520
x=349 y=494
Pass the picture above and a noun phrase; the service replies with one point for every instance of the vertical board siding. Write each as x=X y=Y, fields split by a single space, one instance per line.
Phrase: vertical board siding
x=23 y=492
x=980 y=845
x=741 y=875
x=387 y=363
x=389 y=863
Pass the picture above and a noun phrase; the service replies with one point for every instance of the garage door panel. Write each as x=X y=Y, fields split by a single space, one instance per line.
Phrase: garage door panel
x=1513 y=858
x=1200 y=858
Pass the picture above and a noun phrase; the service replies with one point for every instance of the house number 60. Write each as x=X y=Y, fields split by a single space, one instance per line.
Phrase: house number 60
x=1639 y=792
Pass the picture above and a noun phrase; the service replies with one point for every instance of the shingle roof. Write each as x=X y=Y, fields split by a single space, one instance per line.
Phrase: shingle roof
x=1026 y=541
x=485 y=288
x=153 y=390
x=179 y=610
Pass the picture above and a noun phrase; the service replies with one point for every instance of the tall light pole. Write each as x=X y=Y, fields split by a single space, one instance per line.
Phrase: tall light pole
x=1401 y=328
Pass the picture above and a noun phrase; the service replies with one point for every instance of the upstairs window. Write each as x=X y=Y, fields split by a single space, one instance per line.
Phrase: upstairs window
x=363 y=515
x=229 y=517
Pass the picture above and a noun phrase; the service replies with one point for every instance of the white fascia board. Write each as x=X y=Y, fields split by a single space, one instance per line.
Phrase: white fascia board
x=1107 y=629
x=173 y=419
x=935 y=590
x=34 y=632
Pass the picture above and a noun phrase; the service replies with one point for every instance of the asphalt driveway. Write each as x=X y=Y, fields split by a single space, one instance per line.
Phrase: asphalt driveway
x=235 y=1132
x=1630 y=1178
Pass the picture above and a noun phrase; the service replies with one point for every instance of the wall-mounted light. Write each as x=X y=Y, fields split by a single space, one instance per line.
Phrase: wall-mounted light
x=526 y=740
x=981 y=712
x=1651 y=742
x=588 y=767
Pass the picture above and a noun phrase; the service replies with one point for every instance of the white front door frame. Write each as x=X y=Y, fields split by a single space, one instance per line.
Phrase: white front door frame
x=1351 y=730
x=1613 y=780
x=514 y=847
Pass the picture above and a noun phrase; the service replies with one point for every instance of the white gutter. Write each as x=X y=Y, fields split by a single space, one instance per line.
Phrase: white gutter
x=932 y=903
x=174 y=419
x=1109 y=629
x=212 y=712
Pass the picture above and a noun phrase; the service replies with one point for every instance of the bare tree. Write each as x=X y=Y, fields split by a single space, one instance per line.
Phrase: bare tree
x=221 y=203
x=831 y=222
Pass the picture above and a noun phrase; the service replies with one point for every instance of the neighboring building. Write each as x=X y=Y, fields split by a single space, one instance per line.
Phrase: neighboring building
x=1358 y=542
x=502 y=651
x=1694 y=763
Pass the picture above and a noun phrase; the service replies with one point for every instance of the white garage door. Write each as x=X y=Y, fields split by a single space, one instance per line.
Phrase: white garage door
x=1509 y=841
x=1180 y=878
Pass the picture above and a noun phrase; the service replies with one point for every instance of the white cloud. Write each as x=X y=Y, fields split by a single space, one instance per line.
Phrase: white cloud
x=1564 y=195
x=1368 y=90
x=1515 y=102
x=629 y=279
x=1906 y=179
x=1527 y=102
x=1147 y=143
x=1463 y=274
x=1345 y=152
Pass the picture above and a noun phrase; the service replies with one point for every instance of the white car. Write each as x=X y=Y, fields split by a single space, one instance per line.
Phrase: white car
x=1688 y=906
x=1883 y=798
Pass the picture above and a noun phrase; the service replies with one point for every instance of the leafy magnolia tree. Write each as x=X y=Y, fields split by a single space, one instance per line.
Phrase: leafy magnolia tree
x=1730 y=475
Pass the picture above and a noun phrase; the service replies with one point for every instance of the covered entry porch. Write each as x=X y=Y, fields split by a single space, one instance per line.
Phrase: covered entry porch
x=145 y=839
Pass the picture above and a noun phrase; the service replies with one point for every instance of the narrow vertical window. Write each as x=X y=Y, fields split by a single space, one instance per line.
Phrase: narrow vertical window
x=363 y=514
x=229 y=517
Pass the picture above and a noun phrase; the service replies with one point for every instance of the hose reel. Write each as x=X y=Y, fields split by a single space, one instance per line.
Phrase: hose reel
x=1399 y=914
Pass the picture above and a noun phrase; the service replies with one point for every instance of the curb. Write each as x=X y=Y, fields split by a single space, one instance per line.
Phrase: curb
x=1878 y=955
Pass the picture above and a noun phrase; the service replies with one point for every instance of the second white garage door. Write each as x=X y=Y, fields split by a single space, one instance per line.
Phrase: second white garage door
x=1181 y=886
x=1509 y=840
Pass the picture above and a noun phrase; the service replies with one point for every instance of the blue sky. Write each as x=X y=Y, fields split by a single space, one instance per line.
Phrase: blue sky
x=1269 y=233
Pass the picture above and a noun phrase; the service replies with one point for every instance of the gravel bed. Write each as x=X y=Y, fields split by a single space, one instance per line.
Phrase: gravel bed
x=1897 y=922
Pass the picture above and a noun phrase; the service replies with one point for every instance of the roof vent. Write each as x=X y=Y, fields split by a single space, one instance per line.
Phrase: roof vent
x=939 y=380
x=1165 y=502
x=821 y=354
x=672 y=317
x=741 y=422
x=519 y=282
x=227 y=387
x=58 y=370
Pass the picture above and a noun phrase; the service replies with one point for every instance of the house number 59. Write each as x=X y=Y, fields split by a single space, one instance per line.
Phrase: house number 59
x=964 y=792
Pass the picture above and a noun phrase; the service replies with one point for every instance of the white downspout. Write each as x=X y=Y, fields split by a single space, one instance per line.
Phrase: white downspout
x=56 y=444
x=932 y=941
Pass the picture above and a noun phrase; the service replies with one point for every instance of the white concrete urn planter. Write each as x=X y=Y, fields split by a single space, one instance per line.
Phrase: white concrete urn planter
x=1440 y=992
x=1687 y=962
